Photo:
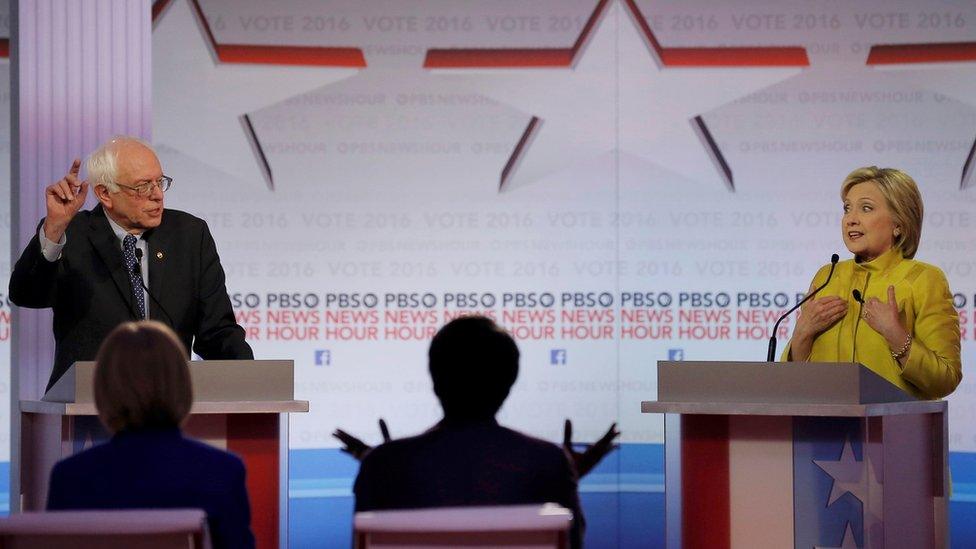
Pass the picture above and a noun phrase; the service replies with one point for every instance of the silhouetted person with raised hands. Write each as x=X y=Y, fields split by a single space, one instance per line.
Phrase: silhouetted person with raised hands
x=467 y=458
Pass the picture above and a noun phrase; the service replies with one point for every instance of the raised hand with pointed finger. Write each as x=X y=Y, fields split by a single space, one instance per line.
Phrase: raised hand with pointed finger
x=63 y=199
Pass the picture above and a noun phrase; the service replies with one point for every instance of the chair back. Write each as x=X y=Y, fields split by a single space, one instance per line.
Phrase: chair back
x=135 y=529
x=521 y=526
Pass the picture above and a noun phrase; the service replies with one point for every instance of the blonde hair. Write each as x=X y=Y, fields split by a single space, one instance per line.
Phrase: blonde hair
x=903 y=199
x=141 y=378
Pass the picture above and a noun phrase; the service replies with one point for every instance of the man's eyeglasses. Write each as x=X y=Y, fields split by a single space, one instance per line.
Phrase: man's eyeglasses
x=146 y=187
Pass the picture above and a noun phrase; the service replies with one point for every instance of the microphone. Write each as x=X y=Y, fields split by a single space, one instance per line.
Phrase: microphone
x=771 y=351
x=856 y=294
x=136 y=269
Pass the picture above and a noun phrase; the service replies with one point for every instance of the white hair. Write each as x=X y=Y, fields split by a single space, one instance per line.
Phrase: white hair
x=102 y=165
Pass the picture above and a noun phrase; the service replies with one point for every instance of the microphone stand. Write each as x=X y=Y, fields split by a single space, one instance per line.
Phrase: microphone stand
x=771 y=351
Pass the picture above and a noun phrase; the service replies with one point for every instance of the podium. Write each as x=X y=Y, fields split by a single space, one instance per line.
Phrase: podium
x=239 y=405
x=799 y=455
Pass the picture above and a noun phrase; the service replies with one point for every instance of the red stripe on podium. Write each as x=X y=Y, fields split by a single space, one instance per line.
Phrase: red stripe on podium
x=254 y=438
x=705 y=518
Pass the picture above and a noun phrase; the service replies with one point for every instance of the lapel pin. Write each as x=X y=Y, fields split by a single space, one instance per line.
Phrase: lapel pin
x=159 y=255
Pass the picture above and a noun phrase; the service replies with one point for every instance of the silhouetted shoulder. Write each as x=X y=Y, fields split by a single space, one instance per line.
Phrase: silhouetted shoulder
x=210 y=455
x=174 y=449
x=481 y=439
x=82 y=460
x=533 y=444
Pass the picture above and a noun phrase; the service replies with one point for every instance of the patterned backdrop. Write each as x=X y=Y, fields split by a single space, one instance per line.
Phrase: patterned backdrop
x=617 y=182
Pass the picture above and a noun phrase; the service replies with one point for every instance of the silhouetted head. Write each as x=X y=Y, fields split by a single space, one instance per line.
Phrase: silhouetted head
x=141 y=378
x=473 y=364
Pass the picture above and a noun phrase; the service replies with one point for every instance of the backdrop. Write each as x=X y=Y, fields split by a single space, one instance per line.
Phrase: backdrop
x=616 y=182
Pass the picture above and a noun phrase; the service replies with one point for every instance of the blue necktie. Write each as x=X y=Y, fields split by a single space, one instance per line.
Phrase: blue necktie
x=135 y=273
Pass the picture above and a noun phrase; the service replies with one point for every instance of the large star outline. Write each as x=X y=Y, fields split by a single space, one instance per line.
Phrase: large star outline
x=662 y=96
x=219 y=84
x=955 y=76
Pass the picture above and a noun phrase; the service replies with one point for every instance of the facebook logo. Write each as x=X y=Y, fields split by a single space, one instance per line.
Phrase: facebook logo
x=323 y=357
x=557 y=356
x=676 y=354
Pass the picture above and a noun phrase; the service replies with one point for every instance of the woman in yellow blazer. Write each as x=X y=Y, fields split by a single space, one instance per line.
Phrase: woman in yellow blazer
x=905 y=328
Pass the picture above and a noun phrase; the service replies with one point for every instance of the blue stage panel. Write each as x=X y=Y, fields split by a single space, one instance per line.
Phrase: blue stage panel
x=962 y=505
x=622 y=510
x=4 y=488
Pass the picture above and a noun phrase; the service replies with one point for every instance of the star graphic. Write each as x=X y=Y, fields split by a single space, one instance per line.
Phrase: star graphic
x=862 y=479
x=847 y=543
x=848 y=475
x=946 y=68
x=201 y=106
x=620 y=91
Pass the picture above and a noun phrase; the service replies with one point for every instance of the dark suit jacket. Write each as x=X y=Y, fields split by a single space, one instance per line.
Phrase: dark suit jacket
x=89 y=289
x=465 y=464
x=158 y=469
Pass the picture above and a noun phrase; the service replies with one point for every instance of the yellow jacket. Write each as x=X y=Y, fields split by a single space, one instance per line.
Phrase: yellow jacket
x=934 y=368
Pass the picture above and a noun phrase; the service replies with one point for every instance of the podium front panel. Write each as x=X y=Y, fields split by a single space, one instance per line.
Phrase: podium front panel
x=780 y=481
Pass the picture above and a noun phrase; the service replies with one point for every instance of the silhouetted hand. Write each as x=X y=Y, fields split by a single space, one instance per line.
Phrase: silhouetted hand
x=355 y=447
x=586 y=460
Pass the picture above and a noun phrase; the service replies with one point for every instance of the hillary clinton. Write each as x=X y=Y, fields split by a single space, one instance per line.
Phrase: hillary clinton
x=904 y=326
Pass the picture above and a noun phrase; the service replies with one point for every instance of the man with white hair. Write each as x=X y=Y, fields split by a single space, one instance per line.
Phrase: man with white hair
x=125 y=259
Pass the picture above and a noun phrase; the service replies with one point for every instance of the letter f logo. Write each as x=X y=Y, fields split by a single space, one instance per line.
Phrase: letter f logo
x=323 y=357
